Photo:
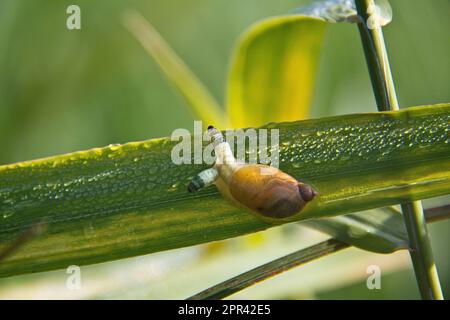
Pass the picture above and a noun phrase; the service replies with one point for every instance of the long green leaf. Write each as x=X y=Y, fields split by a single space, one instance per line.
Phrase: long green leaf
x=125 y=200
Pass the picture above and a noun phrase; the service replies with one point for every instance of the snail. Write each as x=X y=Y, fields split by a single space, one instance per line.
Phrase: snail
x=262 y=189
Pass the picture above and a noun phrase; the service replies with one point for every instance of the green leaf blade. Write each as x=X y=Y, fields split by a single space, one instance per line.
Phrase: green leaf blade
x=121 y=201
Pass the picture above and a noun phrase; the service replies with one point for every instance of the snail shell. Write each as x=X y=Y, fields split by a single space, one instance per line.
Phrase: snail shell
x=265 y=190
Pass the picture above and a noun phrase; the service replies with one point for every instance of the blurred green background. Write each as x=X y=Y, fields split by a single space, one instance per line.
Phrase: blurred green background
x=65 y=90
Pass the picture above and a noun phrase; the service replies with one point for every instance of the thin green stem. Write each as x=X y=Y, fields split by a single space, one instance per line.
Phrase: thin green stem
x=421 y=251
x=270 y=269
x=384 y=90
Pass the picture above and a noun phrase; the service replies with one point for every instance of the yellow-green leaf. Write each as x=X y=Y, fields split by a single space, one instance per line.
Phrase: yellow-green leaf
x=273 y=71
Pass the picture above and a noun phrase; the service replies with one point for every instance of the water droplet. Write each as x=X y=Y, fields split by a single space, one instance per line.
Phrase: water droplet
x=8 y=213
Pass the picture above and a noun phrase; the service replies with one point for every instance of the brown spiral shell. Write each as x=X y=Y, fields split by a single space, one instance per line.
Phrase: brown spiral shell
x=267 y=191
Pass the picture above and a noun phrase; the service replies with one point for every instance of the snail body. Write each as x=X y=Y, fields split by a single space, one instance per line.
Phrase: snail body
x=262 y=189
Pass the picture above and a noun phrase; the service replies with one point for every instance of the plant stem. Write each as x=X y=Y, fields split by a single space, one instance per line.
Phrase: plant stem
x=421 y=252
x=384 y=90
x=270 y=269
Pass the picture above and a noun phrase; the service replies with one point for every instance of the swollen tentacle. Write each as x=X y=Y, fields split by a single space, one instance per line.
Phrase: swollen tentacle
x=224 y=155
x=216 y=135
x=204 y=179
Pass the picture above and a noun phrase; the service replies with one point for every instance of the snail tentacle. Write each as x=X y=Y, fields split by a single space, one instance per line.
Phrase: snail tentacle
x=222 y=149
x=215 y=135
x=204 y=179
